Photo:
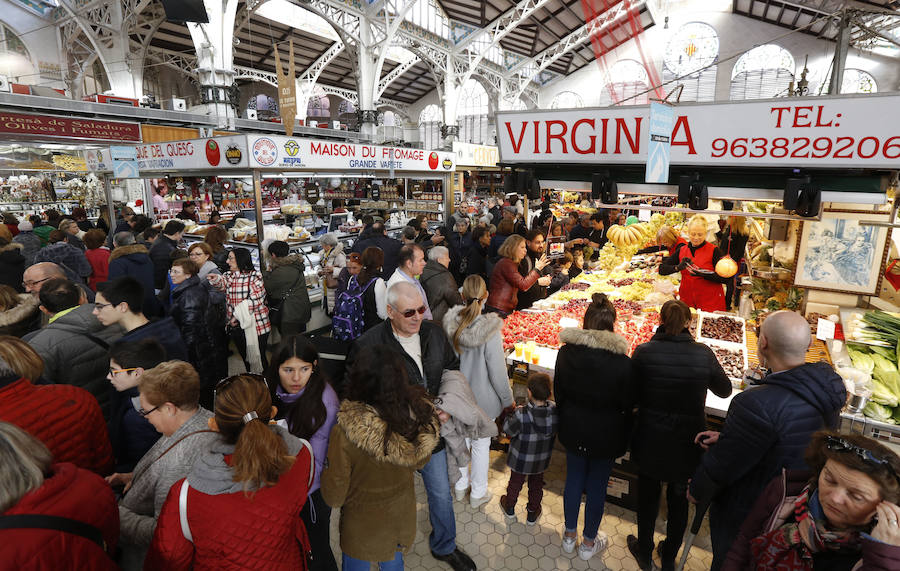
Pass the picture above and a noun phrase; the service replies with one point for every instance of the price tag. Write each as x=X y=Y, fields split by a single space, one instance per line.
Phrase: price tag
x=824 y=329
x=644 y=215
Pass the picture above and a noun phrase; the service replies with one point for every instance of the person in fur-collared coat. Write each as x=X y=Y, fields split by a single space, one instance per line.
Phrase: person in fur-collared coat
x=373 y=451
x=286 y=287
x=19 y=312
x=477 y=339
x=594 y=389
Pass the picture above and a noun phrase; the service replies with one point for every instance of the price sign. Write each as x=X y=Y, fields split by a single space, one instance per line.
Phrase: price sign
x=312 y=192
x=216 y=195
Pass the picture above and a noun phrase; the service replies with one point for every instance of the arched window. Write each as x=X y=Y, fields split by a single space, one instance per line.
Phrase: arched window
x=567 y=100
x=430 y=127
x=318 y=105
x=266 y=107
x=627 y=78
x=15 y=60
x=855 y=81
x=473 y=113
x=690 y=55
x=346 y=107
x=763 y=72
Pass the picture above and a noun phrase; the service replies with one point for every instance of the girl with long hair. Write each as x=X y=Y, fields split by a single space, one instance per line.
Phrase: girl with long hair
x=477 y=340
x=308 y=405
x=386 y=429
x=239 y=507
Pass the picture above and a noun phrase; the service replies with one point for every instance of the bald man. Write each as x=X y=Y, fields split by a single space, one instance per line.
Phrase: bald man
x=36 y=274
x=768 y=428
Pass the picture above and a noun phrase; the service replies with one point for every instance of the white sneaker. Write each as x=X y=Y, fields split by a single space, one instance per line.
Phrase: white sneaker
x=568 y=543
x=600 y=543
x=476 y=502
x=460 y=494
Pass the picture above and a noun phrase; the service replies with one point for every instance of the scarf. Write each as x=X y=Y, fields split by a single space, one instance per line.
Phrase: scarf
x=791 y=547
x=286 y=397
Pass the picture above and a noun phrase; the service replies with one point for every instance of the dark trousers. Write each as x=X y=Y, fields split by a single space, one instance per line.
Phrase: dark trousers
x=237 y=335
x=316 y=516
x=722 y=533
x=535 y=490
x=648 y=508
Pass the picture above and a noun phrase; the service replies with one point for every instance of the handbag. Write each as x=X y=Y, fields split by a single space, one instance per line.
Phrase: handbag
x=277 y=305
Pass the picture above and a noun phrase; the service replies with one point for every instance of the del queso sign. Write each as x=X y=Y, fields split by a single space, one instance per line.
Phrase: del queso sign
x=860 y=131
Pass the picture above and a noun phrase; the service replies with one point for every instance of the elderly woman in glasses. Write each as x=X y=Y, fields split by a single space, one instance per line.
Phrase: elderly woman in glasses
x=841 y=515
x=169 y=396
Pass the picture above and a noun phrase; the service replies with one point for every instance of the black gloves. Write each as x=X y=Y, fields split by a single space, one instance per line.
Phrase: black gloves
x=684 y=264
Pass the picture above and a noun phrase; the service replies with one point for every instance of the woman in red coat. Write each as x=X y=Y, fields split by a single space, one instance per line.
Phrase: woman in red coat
x=701 y=286
x=33 y=486
x=98 y=256
x=243 y=498
x=506 y=281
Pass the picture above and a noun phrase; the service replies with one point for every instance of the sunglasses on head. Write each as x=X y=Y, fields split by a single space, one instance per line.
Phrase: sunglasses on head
x=837 y=444
x=410 y=312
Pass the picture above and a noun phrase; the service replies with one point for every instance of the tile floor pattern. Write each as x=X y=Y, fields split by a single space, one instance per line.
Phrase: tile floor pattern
x=495 y=545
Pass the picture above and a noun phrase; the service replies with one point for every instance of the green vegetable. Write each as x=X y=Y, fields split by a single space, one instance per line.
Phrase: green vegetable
x=882 y=394
x=889 y=354
x=862 y=361
x=896 y=415
x=879 y=412
x=882 y=326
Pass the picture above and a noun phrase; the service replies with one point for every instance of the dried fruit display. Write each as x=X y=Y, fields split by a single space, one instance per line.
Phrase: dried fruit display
x=580 y=286
x=732 y=361
x=723 y=328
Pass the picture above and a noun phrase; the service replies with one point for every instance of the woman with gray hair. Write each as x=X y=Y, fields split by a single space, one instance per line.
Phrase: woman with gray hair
x=73 y=233
x=71 y=513
x=439 y=285
x=331 y=261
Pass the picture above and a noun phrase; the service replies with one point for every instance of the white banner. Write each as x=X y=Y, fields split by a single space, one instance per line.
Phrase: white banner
x=195 y=154
x=292 y=153
x=810 y=132
x=471 y=155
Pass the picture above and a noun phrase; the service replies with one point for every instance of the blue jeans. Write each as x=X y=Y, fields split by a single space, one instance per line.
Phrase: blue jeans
x=350 y=564
x=589 y=476
x=440 y=504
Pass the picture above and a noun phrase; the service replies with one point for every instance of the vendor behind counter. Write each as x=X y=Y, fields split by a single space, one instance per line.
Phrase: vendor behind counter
x=701 y=287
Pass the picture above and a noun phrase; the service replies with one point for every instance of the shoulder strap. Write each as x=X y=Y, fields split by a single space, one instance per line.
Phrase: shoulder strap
x=166 y=451
x=182 y=511
x=55 y=523
x=312 y=461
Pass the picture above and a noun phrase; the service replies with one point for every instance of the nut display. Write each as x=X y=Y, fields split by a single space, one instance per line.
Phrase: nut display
x=722 y=328
x=732 y=361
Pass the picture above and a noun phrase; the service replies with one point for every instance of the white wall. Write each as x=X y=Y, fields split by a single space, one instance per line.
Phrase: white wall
x=40 y=37
x=737 y=34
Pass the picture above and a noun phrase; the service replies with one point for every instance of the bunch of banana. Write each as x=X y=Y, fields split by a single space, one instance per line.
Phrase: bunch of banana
x=623 y=236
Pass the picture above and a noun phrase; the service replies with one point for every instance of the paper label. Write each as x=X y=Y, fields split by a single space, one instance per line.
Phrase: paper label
x=824 y=329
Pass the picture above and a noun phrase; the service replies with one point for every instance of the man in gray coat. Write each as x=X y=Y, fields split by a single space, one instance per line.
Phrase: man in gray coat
x=439 y=284
x=73 y=345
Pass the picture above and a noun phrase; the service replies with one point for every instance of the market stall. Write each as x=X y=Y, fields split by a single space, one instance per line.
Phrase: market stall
x=228 y=167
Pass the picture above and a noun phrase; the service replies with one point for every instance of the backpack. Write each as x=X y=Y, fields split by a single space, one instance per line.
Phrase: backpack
x=348 y=319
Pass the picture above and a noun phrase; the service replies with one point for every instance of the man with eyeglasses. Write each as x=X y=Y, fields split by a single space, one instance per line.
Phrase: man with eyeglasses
x=37 y=274
x=73 y=344
x=767 y=428
x=427 y=353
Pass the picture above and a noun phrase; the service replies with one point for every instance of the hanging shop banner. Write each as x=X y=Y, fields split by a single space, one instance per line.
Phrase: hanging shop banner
x=49 y=126
x=287 y=90
x=662 y=119
x=275 y=152
x=124 y=161
x=470 y=155
x=195 y=154
x=810 y=132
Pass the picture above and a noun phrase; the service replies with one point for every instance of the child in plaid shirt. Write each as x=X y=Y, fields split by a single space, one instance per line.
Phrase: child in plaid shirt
x=532 y=430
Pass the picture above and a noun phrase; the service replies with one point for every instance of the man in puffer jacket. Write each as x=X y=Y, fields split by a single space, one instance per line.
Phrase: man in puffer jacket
x=767 y=428
x=31 y=243
x=132 y=259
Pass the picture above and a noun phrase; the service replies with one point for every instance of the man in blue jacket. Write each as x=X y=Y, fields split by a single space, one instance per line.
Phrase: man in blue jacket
x=767 y=428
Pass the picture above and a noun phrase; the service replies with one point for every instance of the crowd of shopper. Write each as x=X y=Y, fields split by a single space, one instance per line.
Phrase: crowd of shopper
x=118 y=420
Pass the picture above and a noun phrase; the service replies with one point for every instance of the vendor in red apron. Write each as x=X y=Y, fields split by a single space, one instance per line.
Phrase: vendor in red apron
x=700 y=286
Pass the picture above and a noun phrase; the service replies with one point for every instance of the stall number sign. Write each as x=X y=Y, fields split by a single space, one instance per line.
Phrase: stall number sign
x=862 y=131
x=276 y=152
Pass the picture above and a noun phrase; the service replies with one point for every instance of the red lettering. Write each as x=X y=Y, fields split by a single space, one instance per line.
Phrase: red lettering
x=516 y=145
x=315 y=148
x=592 y=138
x=558 y=136
x=780 y=111
x=682 y=123
x=819 y=118
x=798 y=115
x=622 y=129
x=604 y=122
x=537 y=150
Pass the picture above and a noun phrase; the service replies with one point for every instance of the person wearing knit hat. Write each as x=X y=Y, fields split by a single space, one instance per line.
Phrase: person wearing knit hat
x=30 y=241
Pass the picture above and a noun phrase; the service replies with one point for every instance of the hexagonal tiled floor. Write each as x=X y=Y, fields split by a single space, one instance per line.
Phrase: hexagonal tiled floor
x=497 y=545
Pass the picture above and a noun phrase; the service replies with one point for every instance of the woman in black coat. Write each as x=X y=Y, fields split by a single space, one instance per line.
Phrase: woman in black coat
x=594 y=389
x=673 y=373
x=192 y=312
